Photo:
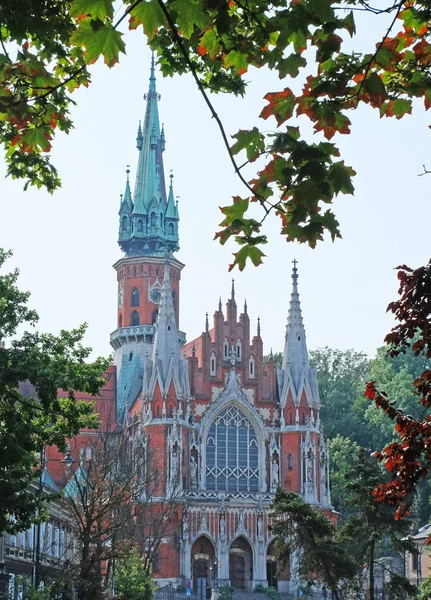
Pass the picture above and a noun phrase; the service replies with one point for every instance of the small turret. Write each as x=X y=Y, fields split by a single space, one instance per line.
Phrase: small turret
x=139 y=137
x=163 y=139
x=295 y=356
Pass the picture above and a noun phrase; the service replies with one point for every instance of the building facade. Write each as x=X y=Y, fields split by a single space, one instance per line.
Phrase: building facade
x=223 y=428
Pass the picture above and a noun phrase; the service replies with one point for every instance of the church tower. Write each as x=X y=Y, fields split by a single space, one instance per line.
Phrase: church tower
x=148 y=235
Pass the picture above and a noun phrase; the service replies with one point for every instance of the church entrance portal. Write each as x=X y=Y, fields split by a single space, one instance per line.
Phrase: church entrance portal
x=203 y=555
x=241 y=564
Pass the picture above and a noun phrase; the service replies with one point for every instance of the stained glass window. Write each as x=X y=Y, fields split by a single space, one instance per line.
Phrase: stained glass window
x=232 y=453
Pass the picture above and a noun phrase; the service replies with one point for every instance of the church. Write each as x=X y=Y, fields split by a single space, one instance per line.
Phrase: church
x=224 y=427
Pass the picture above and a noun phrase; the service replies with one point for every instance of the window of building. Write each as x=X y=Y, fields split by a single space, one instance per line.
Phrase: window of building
x=134 y=272
x=124 y=224
x=232 y=456
x=171 y=229
x=154 y=316
x=238 y=350
x=134 y=320
x=140 y=227
x=225 y=348
x=290 y=462
x=153 y=219
x=251 y=370
x=135 y=297
x=213 y=364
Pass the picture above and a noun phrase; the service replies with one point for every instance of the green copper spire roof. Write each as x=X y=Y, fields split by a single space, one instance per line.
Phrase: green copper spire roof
x=149 y=222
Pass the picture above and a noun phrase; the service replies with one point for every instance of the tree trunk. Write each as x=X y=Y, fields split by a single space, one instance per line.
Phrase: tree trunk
x=372 y=550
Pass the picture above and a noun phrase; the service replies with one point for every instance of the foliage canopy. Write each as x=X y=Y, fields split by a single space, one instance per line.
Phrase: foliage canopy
x=33 y=367
x=47 y=46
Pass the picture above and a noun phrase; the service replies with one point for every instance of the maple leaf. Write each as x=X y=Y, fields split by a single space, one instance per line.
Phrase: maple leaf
x=96 y=9
x=99 y=39
x=252 y=141
x=237 y=60
x=149 y=15
x=247 y=252
x=190 y=15
x=280 y=105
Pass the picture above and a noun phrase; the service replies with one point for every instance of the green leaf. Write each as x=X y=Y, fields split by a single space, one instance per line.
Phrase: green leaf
x=340 y=177
x=96 y=9
x=237 y=60
x=401 y=107
x=104 y=41
x=149 y=15
x=252 y=141
x=190 y=14
x=253 y=253
x=291 y=65
x=210 y=43
x=235 y=210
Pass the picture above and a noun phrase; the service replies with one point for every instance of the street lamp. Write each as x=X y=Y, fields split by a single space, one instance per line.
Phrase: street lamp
x=68 y=460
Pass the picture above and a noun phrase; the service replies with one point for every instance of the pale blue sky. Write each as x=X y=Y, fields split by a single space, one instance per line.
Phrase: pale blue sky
x=65 y=245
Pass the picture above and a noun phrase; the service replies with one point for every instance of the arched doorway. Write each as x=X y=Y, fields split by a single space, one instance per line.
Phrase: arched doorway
x=271 y=567
x=203 y=559
x=241 y=564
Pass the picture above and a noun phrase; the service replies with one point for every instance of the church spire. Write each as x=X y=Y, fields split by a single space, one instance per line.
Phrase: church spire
x=166 y=344
x=152 y=227
x=295 y=356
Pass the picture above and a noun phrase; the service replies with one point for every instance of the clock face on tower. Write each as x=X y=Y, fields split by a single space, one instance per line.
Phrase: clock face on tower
x=155 y=295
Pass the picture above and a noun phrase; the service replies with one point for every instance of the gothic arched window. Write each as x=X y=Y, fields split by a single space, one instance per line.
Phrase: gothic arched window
x=213 y=364
x=232 y=455
x=134 y=320
x=153 y=219
x=225 y=348
x=171 y=230
x=135 y=297
x=124 y=224
x=140 y=226
x=251 y=369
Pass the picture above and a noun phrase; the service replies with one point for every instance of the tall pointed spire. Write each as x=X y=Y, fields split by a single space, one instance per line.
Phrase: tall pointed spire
x=232 y=295
x=152 y=228
x=166 y=344
x=295 y=356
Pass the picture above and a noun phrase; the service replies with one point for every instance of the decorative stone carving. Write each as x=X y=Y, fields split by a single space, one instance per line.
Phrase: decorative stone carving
x=193 y=473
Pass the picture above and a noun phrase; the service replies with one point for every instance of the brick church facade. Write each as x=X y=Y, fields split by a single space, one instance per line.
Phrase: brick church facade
x=225 y=429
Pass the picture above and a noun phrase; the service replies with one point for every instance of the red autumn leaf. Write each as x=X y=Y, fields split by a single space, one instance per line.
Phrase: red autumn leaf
x=280 y=105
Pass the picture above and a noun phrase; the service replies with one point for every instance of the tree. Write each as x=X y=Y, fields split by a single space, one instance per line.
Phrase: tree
x=306 y=533
x=372 y=529
x=395 y=376
x=110 y=494
x=47 y=46
x=33 y=366
x=425 y=589
x=343 y=453
x=341 y=375
x=133 y=578
x=408 y=459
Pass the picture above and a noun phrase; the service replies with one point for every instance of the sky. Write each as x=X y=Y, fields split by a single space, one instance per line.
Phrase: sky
x=65 y=244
